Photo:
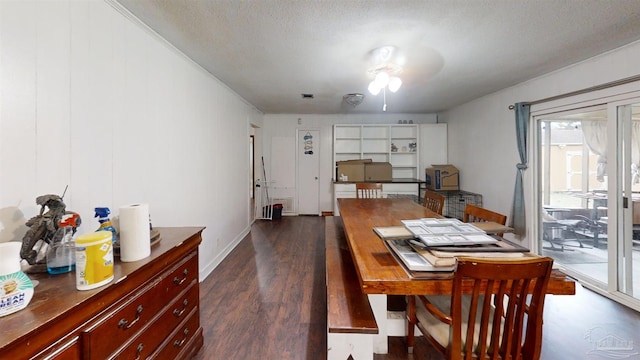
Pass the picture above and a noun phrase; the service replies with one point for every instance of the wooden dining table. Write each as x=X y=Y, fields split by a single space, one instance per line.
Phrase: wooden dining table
x=379 y=272
x=491 y=227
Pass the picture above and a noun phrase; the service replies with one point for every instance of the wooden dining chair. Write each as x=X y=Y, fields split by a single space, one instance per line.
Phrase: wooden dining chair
x=473 y=213
x=368 y=190
x=477 y=327
x=433 y=201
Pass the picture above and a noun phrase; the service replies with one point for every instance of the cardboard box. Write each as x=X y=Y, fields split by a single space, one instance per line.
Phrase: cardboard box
x=442 y=177
x=353 y=170
x=377 y=171
x=350 y=172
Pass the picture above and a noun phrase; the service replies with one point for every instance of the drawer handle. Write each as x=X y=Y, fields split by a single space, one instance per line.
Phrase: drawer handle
x=180 y=281
x=123 y=323
x=178 y=312
x=139 y=352
x=179 y=343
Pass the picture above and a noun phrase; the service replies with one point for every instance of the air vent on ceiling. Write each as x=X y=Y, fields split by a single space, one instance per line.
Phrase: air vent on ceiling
x=307 y=96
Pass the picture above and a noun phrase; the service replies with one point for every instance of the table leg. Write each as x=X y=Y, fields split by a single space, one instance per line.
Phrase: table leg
x=379 y=306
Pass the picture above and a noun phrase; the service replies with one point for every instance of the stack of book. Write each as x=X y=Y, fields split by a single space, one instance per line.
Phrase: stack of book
x=432 y=245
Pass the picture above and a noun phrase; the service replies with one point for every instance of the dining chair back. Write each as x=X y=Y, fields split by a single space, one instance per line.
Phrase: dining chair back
x=368 y=190
x=500 y=319
x=433 y=201
x=473 y=213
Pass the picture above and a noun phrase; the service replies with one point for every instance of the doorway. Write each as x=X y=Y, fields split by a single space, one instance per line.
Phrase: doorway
x=252 y=176
x=308 y=171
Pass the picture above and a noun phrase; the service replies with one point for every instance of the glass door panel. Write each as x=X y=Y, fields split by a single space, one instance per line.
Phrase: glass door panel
x=627 y=224
x=572 y=151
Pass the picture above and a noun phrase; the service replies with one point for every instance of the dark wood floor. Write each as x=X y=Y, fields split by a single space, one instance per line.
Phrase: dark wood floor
x=267 y=300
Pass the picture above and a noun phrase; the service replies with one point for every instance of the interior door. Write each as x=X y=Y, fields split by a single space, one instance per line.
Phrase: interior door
x=308 y=155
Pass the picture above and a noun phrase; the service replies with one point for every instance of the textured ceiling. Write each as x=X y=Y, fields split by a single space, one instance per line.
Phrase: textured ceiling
x=272 y=51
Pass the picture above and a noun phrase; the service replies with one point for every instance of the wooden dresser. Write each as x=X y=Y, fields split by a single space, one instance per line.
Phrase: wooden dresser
x=150 y=310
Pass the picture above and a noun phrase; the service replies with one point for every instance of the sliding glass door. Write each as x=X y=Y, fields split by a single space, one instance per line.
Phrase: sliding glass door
x=573 y=191
x=589 y=194
x=625 y=217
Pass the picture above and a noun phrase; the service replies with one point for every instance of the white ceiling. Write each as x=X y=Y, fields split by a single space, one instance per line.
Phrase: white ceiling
x=272 y=51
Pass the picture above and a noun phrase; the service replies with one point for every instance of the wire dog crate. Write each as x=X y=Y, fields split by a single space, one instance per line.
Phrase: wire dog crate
x=456 y=201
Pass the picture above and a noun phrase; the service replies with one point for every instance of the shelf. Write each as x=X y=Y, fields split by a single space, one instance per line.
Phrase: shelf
x=375 y=131
x=404 y=131
x=368 y=141
x=352 y=132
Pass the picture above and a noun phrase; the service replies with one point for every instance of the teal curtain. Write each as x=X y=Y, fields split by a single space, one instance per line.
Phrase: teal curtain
x=518 y=218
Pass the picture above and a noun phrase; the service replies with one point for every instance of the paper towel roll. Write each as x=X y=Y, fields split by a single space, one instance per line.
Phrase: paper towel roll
x=135 y=243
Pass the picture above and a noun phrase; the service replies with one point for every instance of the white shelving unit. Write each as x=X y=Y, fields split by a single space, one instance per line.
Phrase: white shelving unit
x=352 y=142
x=404 y=161
x=375 y=142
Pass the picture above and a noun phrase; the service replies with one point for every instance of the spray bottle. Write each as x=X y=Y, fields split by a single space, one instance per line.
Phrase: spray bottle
x=61 y=256
x=102 y=213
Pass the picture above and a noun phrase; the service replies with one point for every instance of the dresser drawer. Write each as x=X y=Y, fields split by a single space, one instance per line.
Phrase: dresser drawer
x=118 y=325
x=63 y=350
x=181 y=338
x=180 y=276
x=148 y=340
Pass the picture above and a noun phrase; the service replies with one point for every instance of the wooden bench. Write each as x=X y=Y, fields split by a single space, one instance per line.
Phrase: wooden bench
x=351 y=324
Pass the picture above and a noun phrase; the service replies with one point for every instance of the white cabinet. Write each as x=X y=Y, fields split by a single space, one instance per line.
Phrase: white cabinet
x=395 y=144
x=344 y=190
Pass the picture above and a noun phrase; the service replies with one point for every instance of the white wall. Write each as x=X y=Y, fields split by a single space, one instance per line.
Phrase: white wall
x=286 y=126
x=91 y=99
x=481 y=134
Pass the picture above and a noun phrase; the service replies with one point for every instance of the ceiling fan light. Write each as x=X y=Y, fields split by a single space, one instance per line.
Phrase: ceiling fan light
x=382 y=79
x=394 y=83
x=374 y=89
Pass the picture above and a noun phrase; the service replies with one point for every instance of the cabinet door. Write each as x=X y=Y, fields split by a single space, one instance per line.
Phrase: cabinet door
x=342 y=191
x=400 y=189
